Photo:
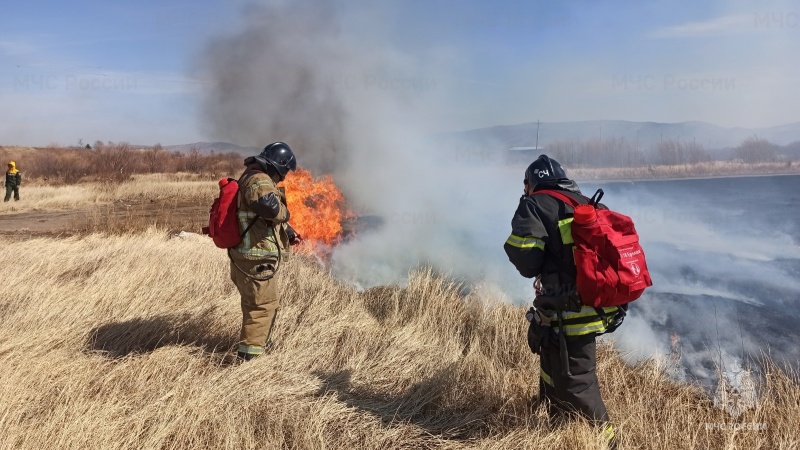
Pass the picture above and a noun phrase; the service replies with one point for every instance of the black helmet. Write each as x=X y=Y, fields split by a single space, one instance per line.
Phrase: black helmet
x=278 y=155
x=544 y=169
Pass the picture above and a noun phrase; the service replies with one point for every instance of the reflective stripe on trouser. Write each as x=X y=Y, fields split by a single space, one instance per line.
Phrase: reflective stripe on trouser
x=251 y=349
x=579 y=392
x=608 y=432
x=259 y=307
x=545 y=377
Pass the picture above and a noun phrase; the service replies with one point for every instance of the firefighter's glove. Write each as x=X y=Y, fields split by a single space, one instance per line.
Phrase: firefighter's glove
x=268 y=206
x=294 y=236
x=616 y=321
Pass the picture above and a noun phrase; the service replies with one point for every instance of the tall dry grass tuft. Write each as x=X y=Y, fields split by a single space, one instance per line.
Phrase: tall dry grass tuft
x=125 y=341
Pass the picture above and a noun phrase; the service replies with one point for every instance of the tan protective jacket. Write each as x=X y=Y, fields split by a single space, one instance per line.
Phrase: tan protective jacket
x=260 y=243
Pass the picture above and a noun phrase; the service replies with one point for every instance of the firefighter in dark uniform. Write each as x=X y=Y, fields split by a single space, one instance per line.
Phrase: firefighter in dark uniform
x=562 y=330
x=264 y=219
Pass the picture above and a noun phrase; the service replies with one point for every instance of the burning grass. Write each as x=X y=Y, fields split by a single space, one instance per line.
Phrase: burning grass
x=317 y=208
x=125 y=341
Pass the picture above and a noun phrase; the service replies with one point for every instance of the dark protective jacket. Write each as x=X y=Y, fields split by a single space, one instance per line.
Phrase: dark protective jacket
x=13 y=179
x=541 y=244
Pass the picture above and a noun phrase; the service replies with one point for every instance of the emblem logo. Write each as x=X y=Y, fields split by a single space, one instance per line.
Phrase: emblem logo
x=736 y=392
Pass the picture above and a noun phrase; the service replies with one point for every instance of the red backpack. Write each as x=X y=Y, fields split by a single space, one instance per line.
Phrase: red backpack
x=223 y=223
x=611 y=267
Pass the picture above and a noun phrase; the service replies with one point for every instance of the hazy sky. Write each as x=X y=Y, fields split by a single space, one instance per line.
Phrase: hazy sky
x=126 y=71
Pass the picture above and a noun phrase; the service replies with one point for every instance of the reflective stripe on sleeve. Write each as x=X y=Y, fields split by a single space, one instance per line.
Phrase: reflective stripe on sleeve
x=254 y=187
x=525 y=242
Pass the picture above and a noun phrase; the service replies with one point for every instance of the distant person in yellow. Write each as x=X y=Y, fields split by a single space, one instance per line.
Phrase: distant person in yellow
x=13 y=180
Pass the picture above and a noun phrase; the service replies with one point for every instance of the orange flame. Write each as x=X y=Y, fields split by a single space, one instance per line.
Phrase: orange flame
x=316 y=207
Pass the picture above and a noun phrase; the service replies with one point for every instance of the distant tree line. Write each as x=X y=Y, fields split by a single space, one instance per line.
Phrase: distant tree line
x=611 y=152
x=619 y=152
x=110 y=161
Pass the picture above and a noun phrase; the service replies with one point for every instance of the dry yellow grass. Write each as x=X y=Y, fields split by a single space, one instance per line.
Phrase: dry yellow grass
x=178 y=187
x=696 y=170
x=38 y=198
x=174 y=189
x=124 y=342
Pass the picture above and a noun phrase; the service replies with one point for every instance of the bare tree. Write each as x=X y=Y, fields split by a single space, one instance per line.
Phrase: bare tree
x=114 y=161
x=755 y=149
x=194 y=161
x=694 y=153
x=154 y=159
x=670 y=152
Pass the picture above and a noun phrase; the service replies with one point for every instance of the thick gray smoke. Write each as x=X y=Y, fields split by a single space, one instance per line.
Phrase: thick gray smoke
x=323 y=79
x=329 y=82
x=315 y=75
x=275 y=80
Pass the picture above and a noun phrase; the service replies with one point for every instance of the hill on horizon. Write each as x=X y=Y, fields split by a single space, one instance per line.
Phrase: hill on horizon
x=643 y=134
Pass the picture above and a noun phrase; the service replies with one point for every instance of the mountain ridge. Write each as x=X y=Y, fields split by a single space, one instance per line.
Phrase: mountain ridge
x=643 y=134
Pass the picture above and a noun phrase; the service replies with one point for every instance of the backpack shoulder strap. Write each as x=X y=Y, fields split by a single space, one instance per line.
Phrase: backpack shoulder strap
x=561 y=196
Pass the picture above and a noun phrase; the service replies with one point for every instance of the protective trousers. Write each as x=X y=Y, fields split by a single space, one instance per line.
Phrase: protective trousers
x=259 y=307
x=9 y=190
x=578 y=392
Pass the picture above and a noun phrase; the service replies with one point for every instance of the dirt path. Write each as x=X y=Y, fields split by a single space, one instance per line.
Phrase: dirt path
x=108 y=218
x=39 y=222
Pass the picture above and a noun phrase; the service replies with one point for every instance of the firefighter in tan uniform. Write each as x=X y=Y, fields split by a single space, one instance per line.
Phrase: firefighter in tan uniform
x=263 y=214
